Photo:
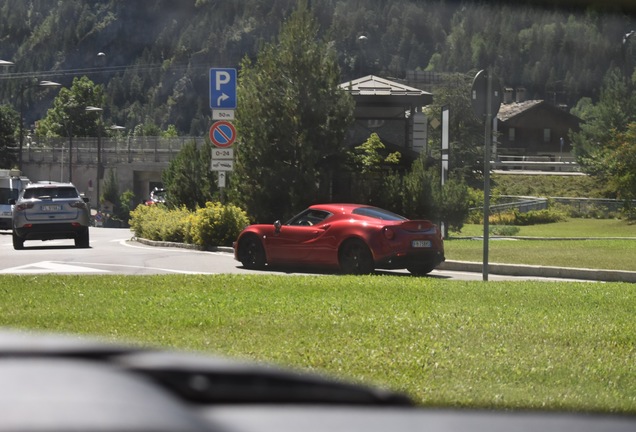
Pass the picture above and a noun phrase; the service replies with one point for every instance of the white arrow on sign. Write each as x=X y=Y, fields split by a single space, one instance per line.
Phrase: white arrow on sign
x=221 y=98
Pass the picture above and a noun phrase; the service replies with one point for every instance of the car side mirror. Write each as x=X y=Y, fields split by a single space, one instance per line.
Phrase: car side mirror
x=86 y=199
x=277 y=226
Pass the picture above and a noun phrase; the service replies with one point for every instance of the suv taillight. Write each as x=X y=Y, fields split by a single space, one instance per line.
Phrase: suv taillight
x=23 y=206
x=78 y=204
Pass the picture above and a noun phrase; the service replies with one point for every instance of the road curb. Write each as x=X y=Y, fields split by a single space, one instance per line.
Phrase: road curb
x=183 y=245
x=600 y=275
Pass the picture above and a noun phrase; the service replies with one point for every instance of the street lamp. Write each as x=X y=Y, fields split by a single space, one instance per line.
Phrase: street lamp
x=624 y=47
x=23 y=88
x=99 y=149
x=6 y=63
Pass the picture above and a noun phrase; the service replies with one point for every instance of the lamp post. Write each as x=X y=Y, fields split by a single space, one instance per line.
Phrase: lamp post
x=625 y=47
x=23 y=88
x=99 y=149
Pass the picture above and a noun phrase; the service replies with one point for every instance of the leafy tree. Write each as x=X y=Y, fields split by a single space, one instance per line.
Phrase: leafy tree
x=291 y=120
x=603 y=146
x=425 y=197
x=9 y=120
x=68 y=116
x=370 y=168
x=188 y=179
x=615 y=109
x=122 y=204
x=616 y=164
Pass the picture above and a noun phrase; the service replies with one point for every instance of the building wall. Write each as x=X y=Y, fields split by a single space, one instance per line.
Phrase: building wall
x=137 y=163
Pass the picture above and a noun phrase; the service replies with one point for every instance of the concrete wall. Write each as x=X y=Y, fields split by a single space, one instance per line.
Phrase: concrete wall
x=137 y=163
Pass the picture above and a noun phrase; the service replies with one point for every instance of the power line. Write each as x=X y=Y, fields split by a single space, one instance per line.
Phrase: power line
x=98 y=70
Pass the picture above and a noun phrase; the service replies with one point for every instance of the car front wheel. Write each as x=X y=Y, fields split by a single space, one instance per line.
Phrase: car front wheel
x=252 y=253
x=355 y=258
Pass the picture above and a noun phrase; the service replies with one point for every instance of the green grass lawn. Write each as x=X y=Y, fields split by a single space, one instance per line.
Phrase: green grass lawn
x=605 y=249
x=542 y=345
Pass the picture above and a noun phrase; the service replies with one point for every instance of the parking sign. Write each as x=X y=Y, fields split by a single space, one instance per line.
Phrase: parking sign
x=222 y=88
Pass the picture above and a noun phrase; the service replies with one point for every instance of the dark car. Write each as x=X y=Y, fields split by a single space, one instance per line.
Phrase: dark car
x=157 y=196
x=49 y=211
x=353 y=238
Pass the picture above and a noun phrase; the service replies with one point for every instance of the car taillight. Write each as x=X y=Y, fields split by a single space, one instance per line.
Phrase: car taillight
x=23 y=206
x=389 y=233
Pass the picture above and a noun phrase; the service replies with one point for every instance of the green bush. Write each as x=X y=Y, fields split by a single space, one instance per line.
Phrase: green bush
x=157 y=222
x=539 y=217
x=214 y=225
x=503 y=230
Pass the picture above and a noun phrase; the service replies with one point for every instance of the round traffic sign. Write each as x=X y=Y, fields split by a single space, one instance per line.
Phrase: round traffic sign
x=479 y=94
x=223 y=134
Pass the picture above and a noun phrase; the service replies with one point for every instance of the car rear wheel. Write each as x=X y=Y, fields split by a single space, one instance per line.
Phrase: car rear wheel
x=355 y=258
x=251 y=253
x=421 y=269
x=18 y=242
x=82 y=240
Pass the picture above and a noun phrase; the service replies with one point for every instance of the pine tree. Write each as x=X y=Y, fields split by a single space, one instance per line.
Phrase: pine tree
x=291 y=122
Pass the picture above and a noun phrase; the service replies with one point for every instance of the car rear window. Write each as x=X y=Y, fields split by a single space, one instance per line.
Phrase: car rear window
x=52 y=192
x=378 y=213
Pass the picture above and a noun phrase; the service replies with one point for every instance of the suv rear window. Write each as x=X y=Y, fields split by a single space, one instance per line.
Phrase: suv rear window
x=52 y=192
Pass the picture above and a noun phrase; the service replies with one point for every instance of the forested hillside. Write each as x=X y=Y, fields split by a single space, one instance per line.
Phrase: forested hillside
x=153 y=56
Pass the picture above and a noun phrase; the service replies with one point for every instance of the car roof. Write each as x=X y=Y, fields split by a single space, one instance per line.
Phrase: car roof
x=49 y=184
x=338 y=208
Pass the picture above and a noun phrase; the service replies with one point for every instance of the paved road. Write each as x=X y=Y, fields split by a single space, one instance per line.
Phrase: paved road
x=113 y=252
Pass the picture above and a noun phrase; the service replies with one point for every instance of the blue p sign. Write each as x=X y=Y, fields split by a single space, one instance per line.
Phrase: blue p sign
x=222 y=88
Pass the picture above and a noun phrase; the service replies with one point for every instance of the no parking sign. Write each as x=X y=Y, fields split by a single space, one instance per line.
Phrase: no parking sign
x=223 y=134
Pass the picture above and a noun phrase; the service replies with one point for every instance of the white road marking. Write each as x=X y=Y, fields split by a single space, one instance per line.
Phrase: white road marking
x=50 y=267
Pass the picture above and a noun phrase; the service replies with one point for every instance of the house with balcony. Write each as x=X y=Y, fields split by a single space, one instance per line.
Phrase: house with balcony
x=533 y=129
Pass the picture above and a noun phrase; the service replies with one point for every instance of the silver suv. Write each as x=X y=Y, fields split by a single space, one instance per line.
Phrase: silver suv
x=48 y=211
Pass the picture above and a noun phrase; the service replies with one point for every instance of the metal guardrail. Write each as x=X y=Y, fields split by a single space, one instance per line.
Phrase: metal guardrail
x=536 y=165
x=114 y=150
x=583 y=206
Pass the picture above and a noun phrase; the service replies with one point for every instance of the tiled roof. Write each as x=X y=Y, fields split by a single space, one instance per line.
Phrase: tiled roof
x=508 y=111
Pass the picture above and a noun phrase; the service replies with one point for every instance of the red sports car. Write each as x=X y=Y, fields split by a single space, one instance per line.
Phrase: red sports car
x=354 y=238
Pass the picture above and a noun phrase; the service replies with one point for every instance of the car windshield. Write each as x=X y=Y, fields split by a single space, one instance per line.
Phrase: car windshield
x=378 y=213
x=52 y=192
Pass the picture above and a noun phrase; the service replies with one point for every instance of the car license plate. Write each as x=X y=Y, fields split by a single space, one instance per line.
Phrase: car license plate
x=51 y=208
x=421 y=243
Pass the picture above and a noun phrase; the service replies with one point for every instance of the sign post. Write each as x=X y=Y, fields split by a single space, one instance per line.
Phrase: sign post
x=222 y=132
x=486 y=100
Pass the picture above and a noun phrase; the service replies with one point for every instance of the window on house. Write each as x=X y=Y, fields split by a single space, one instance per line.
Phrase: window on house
x=511 y=134
x=546 y=135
